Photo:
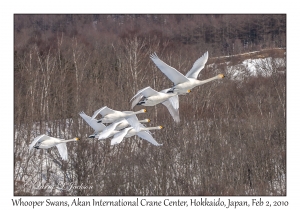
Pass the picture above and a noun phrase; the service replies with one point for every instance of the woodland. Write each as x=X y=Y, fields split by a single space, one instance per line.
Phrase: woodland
x=231 y=139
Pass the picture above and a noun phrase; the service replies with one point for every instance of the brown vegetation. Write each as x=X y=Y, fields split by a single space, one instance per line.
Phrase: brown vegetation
x=232 y=136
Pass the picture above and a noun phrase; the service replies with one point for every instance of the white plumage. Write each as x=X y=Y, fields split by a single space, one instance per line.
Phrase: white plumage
x=46 y=142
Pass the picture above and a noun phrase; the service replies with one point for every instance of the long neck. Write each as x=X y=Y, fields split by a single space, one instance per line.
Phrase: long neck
x=138 y=112
x=200 y=82
x=150 y=128
x=64 y=141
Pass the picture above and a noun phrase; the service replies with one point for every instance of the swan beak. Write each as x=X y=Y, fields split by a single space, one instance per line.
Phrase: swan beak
x=77 y=139
x=144 y=110
x=221 y=76
x=160 y=127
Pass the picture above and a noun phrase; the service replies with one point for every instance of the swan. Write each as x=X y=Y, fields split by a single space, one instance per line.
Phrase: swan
x=150 y=97
x=189 y=81
x=98 y=127
x=46 y=142
x=117 y=125
x=110 y=116
x=130 y=131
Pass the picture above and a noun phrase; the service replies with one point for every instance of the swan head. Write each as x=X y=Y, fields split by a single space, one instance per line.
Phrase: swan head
x=221 y=76
x=160 y=127
x=144 y=110
x=189 y=91
x=77 y=139
x=147 y=120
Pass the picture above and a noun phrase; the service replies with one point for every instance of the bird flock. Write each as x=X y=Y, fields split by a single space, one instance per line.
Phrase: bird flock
x=125 y=124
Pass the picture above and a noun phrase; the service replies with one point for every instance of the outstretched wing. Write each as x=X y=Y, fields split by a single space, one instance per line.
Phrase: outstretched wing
x=198 y=66
x=92 y=122
x=118 y=137
x=109 y=129
x=136 y=100
x=103 y=111
x=62 y=149
x=147 y=136
x=175 y=76
x=134 y=122
x=147 y=92
x=174 y=112
x=40 y=138
x=174 y=101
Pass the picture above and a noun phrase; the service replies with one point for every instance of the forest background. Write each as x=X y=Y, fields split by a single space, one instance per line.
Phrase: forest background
x=232 y=136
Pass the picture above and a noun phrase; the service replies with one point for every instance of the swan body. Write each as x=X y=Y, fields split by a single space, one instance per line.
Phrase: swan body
x=110 y=116
x=189 y=81
x=117 y=125
x=130 y=131
x=46 y=142
x=98 y=127
x=150 y=97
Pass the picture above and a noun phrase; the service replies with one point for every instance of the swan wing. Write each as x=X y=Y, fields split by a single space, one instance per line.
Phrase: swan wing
x=175 y=76
x=147 y=92
x=174 y=112
x=40 y=138
x=62 y=149
x=103 y=111
x=109 y=129
x=136 y=100
x=118 y=137
x=92 y=122
x=147 y=136
x=134 y=122
x=174 y=101
x=198 y=66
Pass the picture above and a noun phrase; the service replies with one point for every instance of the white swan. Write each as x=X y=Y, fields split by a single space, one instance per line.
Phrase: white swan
x=110 y=116
x=130 y=131
x=150 y=97
x=45 y=142
x=117 y=125
x=98 y=127
x=183 y=83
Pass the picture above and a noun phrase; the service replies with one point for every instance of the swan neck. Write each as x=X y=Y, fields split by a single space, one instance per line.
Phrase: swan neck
x=207 y=80
x=68 y=140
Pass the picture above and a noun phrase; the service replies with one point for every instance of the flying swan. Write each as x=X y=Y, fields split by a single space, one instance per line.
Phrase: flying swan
x=150 y=97
x=184 y=83
x=130 y=131
x=46 y=142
